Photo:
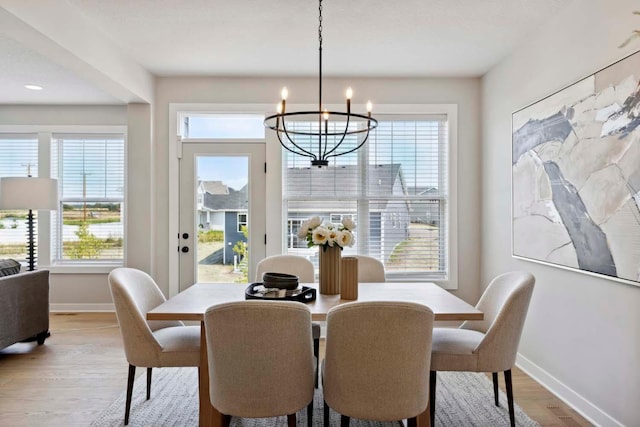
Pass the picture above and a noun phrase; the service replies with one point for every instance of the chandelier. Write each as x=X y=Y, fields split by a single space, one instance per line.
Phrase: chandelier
x=333 y=126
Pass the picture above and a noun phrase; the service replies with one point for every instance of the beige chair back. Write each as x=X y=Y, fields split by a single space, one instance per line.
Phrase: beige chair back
x=135 y=293
x=288 y=264
x=370 y=270
x=377 y=360
x=504 y=303
x=260 y=358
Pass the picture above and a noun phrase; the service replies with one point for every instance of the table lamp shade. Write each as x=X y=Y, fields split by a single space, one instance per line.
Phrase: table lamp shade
x=28 y=193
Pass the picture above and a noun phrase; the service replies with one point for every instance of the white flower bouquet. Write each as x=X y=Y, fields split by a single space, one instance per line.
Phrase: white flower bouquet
x=327 y=235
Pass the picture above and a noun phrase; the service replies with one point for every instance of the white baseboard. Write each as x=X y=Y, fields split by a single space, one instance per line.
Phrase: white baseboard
x=88 y=307
x=569 y=396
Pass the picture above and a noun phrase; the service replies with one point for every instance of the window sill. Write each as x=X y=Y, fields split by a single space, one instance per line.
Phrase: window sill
x=80 y=269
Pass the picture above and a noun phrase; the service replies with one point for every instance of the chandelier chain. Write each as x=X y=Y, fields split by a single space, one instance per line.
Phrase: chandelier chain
x=320 y=23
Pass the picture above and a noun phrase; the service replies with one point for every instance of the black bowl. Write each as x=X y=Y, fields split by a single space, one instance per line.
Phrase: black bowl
x=279 y=280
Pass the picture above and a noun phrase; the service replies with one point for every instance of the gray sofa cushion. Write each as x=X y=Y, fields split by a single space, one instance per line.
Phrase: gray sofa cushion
x=9 y=267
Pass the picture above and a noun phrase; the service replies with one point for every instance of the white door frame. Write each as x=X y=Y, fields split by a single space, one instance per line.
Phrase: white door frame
x=273 y=215
x=253 y=151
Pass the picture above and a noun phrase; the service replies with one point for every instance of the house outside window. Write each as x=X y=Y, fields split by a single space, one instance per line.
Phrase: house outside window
x=396 y=189
x=88 y=227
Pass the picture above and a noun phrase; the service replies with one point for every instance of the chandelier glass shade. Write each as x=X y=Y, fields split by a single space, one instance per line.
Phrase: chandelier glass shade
x=333 y=126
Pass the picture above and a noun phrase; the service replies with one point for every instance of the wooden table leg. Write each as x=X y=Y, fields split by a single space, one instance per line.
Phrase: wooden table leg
x=423 y=419
x=209 y=416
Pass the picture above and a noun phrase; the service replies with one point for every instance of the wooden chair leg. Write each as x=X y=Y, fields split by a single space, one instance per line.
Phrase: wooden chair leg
x=127 y=407
x=344 y=421
x=149 y=383
x=291 y=420
x=495 y=387
x=310 y=413
x=316 y=353
x=509 y=386
x=326 y=414
x=432 y=397
x=412 y=422
x=226 y=420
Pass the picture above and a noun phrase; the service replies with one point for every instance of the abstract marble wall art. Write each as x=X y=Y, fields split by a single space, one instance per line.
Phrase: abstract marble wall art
x=576 y=175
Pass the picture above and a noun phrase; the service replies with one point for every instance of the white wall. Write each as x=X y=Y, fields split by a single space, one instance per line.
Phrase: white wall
x=464 y=92
x=582 y=333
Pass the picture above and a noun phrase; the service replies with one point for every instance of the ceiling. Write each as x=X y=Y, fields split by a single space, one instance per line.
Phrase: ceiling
x=107 y=52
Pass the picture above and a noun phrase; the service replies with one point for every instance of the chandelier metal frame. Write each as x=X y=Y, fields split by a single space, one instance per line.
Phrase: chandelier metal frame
x=278 y=121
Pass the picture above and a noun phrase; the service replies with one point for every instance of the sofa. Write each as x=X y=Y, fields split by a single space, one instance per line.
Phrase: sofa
x=24 y=307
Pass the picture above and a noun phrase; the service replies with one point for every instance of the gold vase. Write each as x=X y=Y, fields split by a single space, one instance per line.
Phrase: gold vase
x=349 y=278
x=329 y=269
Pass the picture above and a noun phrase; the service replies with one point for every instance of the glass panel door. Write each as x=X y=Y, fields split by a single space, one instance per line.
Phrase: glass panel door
x=222 y=204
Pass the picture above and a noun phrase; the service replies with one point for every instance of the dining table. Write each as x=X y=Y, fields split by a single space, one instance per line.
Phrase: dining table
x=192 y=303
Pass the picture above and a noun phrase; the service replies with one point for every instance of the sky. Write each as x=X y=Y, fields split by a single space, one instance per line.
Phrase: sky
x=232 y=170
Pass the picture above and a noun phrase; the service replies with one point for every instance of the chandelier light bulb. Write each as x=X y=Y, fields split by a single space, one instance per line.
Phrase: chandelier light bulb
x=349 y=93
x=369 y=106
x=325 y=115
x=284 y=93
x=279 y=107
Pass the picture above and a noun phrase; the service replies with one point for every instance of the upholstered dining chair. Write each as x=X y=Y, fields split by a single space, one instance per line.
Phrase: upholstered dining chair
x=376 y=362
x=260 y=359
x=301 y=267
x=370 y=270
x=152 y=344
x=488 y=345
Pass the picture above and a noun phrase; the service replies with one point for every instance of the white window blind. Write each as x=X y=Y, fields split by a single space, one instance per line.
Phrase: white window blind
x=394 y=187
x=90 y=170
x=19 y=154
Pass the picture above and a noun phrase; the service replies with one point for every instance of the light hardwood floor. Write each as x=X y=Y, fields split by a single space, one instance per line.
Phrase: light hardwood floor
x=81 y=369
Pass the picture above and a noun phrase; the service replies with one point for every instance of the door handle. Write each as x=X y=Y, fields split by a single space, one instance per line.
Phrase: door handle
x=185 y=249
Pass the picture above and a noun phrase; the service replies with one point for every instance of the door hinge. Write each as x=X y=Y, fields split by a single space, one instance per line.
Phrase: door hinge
x=265 y=239
x=265 y=167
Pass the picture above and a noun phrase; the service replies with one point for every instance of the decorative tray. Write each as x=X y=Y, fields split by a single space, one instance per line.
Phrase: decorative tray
x=258 y=291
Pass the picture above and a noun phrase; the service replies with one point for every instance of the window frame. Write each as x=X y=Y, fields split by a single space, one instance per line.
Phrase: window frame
x=276 y=222
x=45 y=225
x=240 y=223
x=413 y=112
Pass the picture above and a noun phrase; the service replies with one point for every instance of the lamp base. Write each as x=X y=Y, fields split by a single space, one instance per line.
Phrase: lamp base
x=31 y=244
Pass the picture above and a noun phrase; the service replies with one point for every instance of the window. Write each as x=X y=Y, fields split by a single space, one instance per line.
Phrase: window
x=223 y=126
x=19 y=156
x=242 y=221
x=90 y=172
x=88 y=227
x=395 y=188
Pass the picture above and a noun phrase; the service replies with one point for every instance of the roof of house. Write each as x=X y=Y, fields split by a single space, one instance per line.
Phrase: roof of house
x=332 y=183
x=234 y=200
x=214 y=187
x=343 y=180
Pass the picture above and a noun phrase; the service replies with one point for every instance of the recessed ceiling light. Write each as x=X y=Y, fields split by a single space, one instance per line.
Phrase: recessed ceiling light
x=33 y=87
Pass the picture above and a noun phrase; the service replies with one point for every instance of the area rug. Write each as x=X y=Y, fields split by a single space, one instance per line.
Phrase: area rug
x=463 y=399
